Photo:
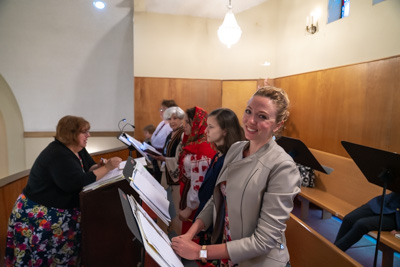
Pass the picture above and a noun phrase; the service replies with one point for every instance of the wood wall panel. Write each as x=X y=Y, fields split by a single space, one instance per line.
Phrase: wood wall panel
x=356 y=103
x=8 y=195
x=149 y=92
x=235 y=95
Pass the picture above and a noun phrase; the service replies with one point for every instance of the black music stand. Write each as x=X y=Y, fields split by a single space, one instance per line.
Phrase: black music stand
x=129 y=167
x=131 y=222
x=381 y=168
x=301 y=154
x=124 y=139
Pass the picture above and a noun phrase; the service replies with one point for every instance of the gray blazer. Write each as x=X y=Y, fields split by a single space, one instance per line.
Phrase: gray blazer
x=259 y=190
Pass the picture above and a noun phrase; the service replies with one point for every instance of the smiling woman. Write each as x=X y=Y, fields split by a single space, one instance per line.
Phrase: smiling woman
x=253 y=195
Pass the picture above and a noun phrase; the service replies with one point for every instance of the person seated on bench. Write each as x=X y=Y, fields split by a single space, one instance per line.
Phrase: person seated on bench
x=366 y=218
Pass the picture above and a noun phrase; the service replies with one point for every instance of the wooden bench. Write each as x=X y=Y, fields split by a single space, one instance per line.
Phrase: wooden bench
x=344 y=190
x=309 y=248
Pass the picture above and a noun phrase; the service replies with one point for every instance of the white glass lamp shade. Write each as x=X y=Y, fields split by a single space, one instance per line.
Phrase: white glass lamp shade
x=229 y=32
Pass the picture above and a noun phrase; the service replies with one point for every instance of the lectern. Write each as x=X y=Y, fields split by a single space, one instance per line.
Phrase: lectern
x=106 y=238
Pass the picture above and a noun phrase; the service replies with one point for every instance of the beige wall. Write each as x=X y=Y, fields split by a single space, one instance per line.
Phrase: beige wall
x=3 y=148
x=188 y=47
x=12 y=133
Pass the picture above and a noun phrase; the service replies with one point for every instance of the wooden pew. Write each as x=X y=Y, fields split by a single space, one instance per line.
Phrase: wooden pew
x=344 y=190
x=11 y=186
x=309 y=248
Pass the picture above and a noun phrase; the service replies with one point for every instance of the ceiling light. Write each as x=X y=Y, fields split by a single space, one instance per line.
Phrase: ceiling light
x=229 y=32
x=99 y=4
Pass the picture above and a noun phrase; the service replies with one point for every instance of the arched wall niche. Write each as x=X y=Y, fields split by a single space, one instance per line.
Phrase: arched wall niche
x=12 y=155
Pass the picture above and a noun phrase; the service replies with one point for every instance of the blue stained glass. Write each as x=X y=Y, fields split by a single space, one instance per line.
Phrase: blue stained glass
x=346 y=8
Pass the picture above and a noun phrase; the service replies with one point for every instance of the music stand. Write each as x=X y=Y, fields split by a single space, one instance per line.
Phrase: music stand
x=131 y=222
x=301 y=154
x=381 y=168
x=124 y=139
x=129 y=167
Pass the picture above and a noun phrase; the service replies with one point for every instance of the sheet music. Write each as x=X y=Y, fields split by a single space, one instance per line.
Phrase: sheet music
x=142 y=171
x=143 y=148
x=158 y=243
x=130 y=141
x=112 y=176
x=155 y=241
x=149 y=149
x=164 y=217
x=151 y=192
x=141 y=160
x=156 y=227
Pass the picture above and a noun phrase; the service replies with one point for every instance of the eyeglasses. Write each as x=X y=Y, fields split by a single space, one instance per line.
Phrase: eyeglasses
x=85 y=132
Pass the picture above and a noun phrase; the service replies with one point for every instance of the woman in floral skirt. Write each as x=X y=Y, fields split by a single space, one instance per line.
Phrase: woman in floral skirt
x=43 y=228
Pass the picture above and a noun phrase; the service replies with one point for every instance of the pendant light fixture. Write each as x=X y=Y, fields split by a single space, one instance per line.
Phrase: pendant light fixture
x=229 y=32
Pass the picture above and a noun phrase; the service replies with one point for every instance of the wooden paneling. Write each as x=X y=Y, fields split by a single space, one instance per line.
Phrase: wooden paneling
x=235 y=95
x=149 y=92
x=356 y=103
x=8 y=195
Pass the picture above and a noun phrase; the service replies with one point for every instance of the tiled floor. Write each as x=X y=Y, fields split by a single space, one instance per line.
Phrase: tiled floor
x=363 y=251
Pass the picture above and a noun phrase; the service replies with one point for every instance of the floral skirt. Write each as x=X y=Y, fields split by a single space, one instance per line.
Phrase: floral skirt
x=42 y=236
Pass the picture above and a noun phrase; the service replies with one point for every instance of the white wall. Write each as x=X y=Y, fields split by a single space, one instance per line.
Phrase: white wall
x=66 y=57
x=188 y=47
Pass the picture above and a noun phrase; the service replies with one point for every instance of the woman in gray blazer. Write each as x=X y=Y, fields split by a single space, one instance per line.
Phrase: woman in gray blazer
x=253 y=196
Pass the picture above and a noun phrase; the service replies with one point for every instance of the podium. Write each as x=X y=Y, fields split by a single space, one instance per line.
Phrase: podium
x=106 y=238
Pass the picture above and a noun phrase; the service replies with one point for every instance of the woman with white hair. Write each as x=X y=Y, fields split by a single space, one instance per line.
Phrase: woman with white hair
x=169 y=168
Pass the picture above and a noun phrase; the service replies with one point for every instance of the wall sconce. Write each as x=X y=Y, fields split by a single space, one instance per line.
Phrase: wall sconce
x=229 y=32
x=311 y=28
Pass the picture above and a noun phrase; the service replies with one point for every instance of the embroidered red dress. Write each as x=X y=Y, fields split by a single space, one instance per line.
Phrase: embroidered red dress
x=193 y=164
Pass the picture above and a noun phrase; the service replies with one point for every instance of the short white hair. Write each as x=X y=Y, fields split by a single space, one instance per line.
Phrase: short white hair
x=177 y=111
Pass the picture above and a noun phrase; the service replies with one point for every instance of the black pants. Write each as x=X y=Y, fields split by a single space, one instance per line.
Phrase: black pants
x=358 y=223
x=156 y=170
